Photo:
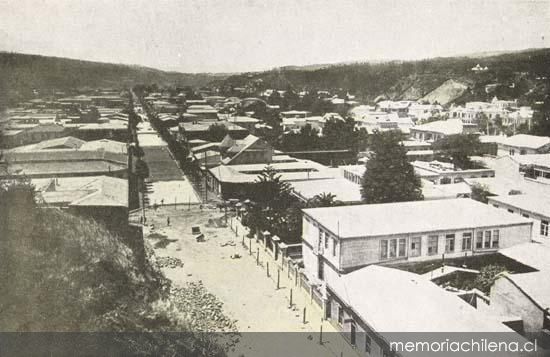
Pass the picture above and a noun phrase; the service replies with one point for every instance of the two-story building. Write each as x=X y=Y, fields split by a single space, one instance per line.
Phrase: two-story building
x=338 y=240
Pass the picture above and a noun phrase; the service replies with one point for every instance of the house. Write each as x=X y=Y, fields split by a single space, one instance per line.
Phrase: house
x=250 y=150
x=375 y=307
x=338 y=240
x=72 y=143
x=523 y=144
x=236 y=180
x=103 y=198
x=203 y=112
x=245 y=122
x=33 y=133
x=200 y=130
x=436 y=130
x=64 y=163
x=442 y=173
x=526 y=295
x=535 y=207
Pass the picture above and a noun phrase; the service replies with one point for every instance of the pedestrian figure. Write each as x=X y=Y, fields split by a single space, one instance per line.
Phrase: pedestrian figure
x=162 y=202
x=167 y=221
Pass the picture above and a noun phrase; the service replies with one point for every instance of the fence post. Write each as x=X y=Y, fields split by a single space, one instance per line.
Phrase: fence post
x=258 y=256
x=321 y=333
x=304 y=315
x=296 y=277
x=290 y=298
x=278 y=278
x=267 y=268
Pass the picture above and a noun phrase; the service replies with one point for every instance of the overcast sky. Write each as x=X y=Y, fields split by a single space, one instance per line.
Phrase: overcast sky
x=246 y=35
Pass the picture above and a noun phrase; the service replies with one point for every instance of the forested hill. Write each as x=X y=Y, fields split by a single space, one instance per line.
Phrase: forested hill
x=512 y=74
x=21 y=73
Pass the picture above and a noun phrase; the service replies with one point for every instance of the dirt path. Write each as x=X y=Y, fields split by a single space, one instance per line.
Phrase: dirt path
x=248 y=295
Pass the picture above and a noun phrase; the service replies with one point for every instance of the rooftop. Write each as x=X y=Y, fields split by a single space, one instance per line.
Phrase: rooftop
x=344 y=190
x=535 y=284
x=527 y=141
x=535 y=204
x=411 y=217
x=445 y=127
x=384 y=309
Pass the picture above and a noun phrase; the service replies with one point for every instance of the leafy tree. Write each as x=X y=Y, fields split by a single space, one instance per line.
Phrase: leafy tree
x=216 y=132
x=459 y=148
x=487 y=276
x=306 y=139
x=338 y=134
x=480 y=193
x=389 y=176
x=541 y=119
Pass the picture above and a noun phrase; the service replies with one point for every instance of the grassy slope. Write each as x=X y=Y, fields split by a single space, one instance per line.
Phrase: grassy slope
x=59 y=272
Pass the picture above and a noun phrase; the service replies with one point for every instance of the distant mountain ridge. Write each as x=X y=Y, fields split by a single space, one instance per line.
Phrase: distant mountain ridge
x=21 y=73
x=511 y=74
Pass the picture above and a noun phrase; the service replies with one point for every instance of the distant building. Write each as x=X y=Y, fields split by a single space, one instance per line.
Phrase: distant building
x=436 y=130
x=533 y=207
x=233 y=180
x=445 y=173
x=523 y=144
x=338 y=240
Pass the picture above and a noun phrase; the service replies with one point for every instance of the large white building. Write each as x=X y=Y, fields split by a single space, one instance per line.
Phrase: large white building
x=337 y=240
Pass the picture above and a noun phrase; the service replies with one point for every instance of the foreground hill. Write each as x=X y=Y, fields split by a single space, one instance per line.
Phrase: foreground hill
x=22 y=73
x=59 y=272
x=508 y=75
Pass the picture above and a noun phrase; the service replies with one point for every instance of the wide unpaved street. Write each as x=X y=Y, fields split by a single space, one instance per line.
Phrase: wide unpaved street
x=249 y=296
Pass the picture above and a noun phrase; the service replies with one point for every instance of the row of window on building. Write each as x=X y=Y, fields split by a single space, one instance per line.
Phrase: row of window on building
x=397 y=247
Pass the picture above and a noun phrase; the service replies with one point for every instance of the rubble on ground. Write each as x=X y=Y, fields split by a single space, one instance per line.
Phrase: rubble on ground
x=204 y=310
x=169 y=262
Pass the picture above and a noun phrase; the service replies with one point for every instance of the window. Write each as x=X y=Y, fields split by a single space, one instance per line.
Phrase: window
x=383 y=249
x=393 y=248
x=334 y=243
x=496 y=236
x=416 y=244
x=432 y=245
x=326 y=241
x=479 y=240
x=368 y=343
x=544 y=228
x=449 y=243
x=340 y=315
x=525 y=215
x=487 y=241
x=467 y=241
x=402 y=247
x=510 y=210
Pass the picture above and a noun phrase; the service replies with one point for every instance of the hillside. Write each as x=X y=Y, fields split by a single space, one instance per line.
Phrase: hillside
x=510 y=75
x=21 y=73
x=60 y=272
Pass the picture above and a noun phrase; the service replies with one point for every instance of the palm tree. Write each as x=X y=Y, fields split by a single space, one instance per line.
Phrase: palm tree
x=324 y=200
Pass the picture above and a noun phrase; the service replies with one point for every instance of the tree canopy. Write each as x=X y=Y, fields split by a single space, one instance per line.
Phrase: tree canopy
x=458 y=149
x=389 y=177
